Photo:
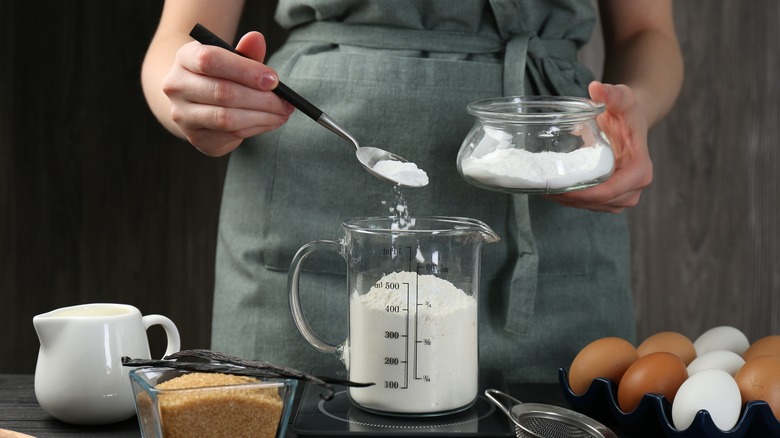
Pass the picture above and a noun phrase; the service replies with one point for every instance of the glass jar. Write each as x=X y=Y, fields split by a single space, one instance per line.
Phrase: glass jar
x=535 y=145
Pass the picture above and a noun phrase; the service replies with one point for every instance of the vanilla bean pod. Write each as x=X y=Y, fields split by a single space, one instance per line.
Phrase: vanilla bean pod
x=214 y=362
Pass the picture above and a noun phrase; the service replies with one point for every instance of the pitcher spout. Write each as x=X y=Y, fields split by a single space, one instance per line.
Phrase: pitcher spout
x=47 y=329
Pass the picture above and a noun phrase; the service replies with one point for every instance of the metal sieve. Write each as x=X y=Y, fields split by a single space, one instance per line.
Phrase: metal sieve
x=534 y=420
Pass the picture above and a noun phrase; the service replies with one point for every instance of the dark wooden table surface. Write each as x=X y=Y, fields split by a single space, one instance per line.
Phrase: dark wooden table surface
x=20 y=412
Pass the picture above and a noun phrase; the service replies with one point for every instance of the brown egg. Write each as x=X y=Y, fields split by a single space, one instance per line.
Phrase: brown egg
x=759 y=379
x=658 y=373
x=608 y=358
x=671 y=342
x=766 y=346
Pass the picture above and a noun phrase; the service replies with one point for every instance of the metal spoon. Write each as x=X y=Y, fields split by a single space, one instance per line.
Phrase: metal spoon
x=367 y=156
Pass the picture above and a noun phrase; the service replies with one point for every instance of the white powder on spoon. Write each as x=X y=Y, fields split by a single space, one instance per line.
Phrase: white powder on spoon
x=407 y=174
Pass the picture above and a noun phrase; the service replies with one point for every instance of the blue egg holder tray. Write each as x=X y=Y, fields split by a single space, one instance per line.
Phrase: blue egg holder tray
x=653 y=415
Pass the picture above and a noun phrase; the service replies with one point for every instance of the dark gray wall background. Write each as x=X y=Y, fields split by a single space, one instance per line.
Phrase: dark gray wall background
x=98 y=203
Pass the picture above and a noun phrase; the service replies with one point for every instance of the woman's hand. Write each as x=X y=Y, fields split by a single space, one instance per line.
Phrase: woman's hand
x=626 y=126
x=218 y=98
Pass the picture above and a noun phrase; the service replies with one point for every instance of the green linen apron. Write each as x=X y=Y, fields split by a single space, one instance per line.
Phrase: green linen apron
x=398 y=74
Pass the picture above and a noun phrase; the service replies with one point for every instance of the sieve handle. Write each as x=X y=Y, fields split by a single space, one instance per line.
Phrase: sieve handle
x=492 y=393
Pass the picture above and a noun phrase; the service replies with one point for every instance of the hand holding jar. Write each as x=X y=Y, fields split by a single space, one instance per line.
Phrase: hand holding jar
x=626 y=127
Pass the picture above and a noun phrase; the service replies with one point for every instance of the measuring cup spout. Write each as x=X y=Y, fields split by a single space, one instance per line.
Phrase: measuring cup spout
x=479 y=228
x=488 y=235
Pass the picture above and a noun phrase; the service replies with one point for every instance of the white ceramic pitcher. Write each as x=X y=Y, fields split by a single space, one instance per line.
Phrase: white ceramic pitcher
x=79 y=377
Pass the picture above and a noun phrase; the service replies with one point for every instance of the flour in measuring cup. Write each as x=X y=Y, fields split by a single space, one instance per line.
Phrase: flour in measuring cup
x=419 y=365
x=520 y=169
x=407 y=174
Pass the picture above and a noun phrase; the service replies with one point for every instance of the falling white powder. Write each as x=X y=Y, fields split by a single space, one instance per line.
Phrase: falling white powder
x=407 y=174
x=519 y=169
x=399 y=212
x=421 y=360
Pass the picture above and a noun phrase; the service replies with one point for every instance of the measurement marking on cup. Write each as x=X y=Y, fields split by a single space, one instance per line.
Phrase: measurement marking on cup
x=416 y=327
x=412 y=341
x=408 y=305
x=406 y=347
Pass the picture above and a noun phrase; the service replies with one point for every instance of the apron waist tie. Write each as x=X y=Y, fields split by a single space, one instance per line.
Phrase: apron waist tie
x=515 y=49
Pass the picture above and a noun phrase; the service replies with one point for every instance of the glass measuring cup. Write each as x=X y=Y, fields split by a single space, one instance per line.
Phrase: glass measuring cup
x=412 y=311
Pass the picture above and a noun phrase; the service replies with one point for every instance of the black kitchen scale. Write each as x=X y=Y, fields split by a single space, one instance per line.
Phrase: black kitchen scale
x=316 y=417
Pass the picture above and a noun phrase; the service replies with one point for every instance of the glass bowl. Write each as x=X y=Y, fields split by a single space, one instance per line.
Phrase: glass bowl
x=261 y=408
x=535 y=145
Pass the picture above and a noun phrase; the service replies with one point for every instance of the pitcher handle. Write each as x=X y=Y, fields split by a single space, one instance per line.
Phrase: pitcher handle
x=293 y=281
x=171 y=332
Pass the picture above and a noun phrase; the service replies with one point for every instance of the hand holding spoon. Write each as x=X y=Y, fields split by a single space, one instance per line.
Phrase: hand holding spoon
x=367 y=156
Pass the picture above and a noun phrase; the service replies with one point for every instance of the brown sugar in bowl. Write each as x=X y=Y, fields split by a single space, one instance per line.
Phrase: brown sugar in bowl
x=210 y=404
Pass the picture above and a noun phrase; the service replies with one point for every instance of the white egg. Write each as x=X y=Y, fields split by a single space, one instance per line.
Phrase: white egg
x=712 y=390
x=721 y=338
x=725 y=360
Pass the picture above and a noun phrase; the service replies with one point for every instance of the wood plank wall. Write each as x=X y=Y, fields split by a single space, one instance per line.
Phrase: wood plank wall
x=98 y=203
x=706 y=235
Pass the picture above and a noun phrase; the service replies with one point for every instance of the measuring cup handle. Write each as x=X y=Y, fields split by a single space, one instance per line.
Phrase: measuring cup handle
x=293 y=281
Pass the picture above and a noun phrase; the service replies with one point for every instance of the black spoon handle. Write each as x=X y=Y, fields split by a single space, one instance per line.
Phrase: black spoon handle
x=207 y=37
